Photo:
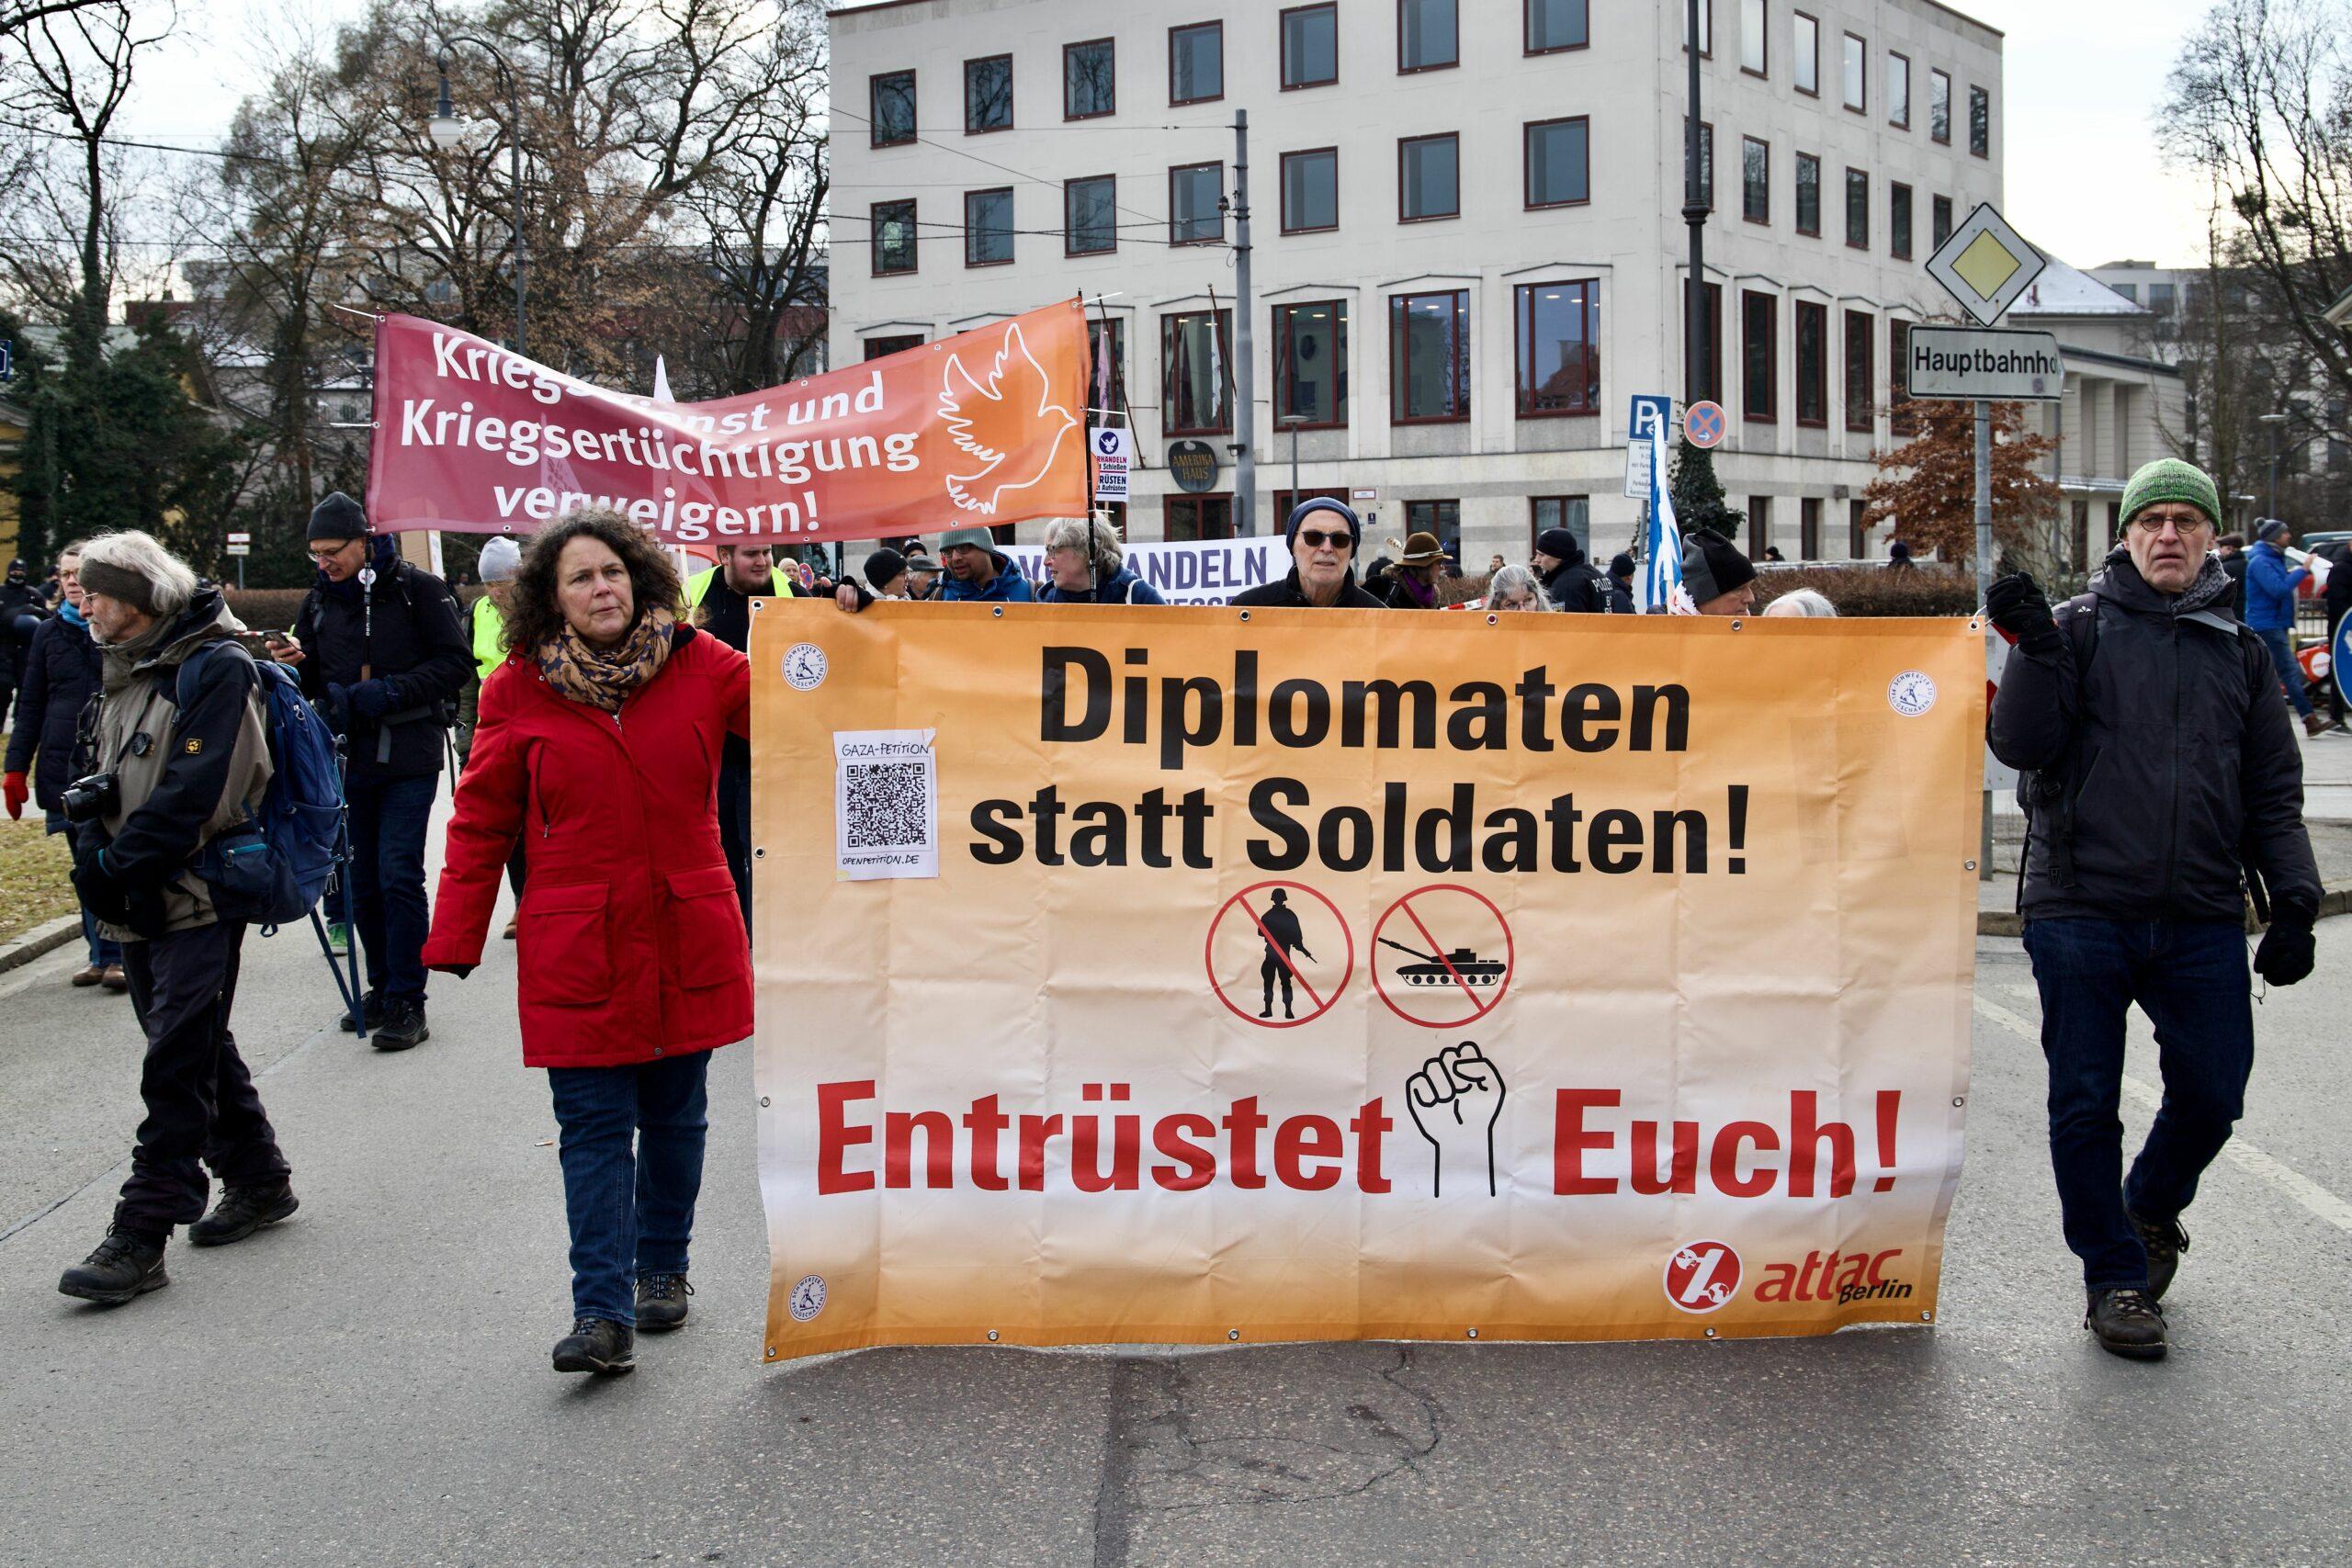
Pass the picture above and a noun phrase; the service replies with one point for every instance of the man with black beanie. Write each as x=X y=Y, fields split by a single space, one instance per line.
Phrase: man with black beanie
x=1621 y=584
x=1569 y=579
x=1325 y=537
x=382 y=651
x=1719 y=578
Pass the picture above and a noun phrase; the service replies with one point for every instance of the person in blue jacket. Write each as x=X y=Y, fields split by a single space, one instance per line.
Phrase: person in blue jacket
x=2270 y=584
x=976 y=569
x=1084 y=565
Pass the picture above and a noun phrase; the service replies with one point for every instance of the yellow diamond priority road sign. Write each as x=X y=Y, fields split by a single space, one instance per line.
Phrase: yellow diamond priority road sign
x=1986 y=265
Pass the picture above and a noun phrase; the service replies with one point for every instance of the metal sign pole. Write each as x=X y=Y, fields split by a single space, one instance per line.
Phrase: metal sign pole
x=1984 y=589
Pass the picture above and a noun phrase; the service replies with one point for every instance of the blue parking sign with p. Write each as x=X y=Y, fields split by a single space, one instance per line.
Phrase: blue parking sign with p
x=1648 y=413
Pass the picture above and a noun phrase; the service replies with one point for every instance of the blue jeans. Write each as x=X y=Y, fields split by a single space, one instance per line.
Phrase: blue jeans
x=632 y=1214
x=104 y=950
x=2290 y=674
x=2190 y=977
x=388 y=822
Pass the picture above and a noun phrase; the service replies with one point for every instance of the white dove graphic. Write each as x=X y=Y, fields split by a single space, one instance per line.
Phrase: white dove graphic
x=1010 y=407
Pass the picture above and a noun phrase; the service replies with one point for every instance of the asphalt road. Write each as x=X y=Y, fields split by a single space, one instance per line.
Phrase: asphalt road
x=367 y=1384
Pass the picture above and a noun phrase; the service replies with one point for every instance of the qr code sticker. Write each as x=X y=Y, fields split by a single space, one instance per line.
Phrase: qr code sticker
x=884 y=805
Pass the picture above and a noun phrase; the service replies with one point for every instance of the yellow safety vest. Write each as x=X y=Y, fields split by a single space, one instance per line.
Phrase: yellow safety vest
x=699 y=583
x=490 y=634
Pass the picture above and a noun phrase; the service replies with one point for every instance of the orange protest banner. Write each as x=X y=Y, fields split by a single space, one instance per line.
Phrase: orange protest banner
x=985 y=427
x=1208 y=975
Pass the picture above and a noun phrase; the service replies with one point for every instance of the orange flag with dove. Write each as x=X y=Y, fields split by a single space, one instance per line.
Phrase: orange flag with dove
x=985 y=428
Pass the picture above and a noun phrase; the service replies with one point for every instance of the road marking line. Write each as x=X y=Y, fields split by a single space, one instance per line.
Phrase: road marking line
x=2255 y=1161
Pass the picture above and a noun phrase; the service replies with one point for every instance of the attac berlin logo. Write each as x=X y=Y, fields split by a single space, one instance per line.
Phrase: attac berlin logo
x=1702 y=1276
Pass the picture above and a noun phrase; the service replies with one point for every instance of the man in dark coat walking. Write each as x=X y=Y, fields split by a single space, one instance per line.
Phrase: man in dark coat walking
x=382 y=652
x=2162 y=777
x=1572 y=582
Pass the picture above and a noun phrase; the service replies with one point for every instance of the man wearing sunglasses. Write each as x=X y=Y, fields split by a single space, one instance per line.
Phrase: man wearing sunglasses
x=2161 y=778
x=1324 y=537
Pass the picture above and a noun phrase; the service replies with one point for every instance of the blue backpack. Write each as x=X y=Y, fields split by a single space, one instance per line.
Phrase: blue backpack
x=270 y=870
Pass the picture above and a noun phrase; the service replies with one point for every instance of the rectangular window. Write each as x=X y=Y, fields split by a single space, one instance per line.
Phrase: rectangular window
x=1760 y=358
x=1807 y=56
x=1711 y=347
x=1979 y=123
x=1090 y=79
x=882 y=347
x=1813 y=363
x=894 y=237
x=1939 y=107
x=1858 y=208
x=890 y=106
x=1196 y=63
x=1573 y=513
x=1858 y=532
x=1760 y=526
x=988 y=227
x=2160 y=299
x=1195 y=394
x=1808 y=195
x=1199 y=516
x=1558 y=154
x=1428 y=35
x=1706 y=28
x=1809 y=528
x=1549 y=25
x=1898 y=222
x=1090 y=224
x=1859 y=407
x=1753 y=55
x=1311 y=364
x=1310 y=46
x=1856 y=76
x=1900 y=418
x=1706 y=160
x=1310 y=190
x=1942 y=222
x=988 y=93
x=1428 y=178
x=1194 y=191
x=1898 y=90
x=1429 y=357
x=1560 y=349
x=1755 y=180
x=1115 y=394
x=1441 y=518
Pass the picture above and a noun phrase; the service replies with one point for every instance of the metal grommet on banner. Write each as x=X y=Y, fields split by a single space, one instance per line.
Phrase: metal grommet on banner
x=1473 y=1333
x=759 y=853
x=1494 y=620
x=756 y=605
x=771 y=1352
x=1957 y=1100
x=1968 y=865
x=1233 y=1334
x=1710 y=1334
x=1926 y=1317
x=1736 y=625
x=1245 y=615
x=991 y=1336
x=764 y=1103
x=1000 y=612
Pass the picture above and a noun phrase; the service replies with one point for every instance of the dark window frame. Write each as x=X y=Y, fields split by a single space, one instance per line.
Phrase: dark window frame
x=1851 y=107
x=1864 y=243
x=1765 y=74
x=1797 y=198
x=1089 y=43
x=1285 y=364
x=1706 y=159
x=1905 y=123
x=1527 y=30
x=1453 y=64
x=1398 y=307
x=1522 y=304
x=1069 y=229
x=1941 y=221
x=1527 y=166
x=1811 y=390
x=1900 y=218
x=970 y=229
x=904 y=341
x=1168 y=402
x=1935 y=77
x=1764 y=216
x=1902 y=419
x=1174 y=238
x=1706 y=28
x=1795 y=79
x=1405 y=142
x=873 y=241
x=1771 y=403
x=874 y=121
x=1281 y=45
x=1536 y=524
x=1009 y=122
x=1197 y=505
x=1979 y=148
x=1282 y=190
x=1862 y=332
x=1219 y=27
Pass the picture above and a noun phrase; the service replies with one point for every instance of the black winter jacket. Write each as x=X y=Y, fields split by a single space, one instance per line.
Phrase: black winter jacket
x=61 y=673
x=2170 y=755
x=1287 y=593
x=16 y=599
x=415 y=641
x=1578 y=586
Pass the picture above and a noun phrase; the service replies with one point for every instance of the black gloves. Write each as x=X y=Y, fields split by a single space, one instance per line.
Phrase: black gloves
x=104 y=897
x=2286 y=953
x=2017 y=605
x=338 y=709
x=370 y=699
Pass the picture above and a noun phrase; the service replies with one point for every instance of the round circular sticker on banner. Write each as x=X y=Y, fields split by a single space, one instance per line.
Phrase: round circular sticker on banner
x=808 y=1297
x=803 y=667
x=1912 y=693
x=1702 y=1276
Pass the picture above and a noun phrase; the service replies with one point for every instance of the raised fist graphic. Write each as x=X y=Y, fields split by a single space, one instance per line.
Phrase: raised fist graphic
x=1455 y=1099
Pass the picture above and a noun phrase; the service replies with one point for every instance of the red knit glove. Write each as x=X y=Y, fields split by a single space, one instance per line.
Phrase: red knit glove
x=12 y=787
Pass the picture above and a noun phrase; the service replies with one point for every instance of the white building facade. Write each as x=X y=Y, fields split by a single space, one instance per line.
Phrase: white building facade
x=1468 y=248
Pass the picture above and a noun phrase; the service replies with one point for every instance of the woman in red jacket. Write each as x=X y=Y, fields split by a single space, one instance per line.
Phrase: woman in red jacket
x=598 y=744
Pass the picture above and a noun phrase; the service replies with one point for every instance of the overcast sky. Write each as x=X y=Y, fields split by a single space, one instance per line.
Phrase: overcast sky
x=2085 y=80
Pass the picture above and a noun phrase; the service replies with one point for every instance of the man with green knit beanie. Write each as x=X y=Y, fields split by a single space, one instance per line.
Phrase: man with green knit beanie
x=2160 y=781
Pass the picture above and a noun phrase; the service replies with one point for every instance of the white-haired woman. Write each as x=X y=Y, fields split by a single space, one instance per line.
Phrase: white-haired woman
x=1517 y=588
x=1084 y=565
x=1800 y=601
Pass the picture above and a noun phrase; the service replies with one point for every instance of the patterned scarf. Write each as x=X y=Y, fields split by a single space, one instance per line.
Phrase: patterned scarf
x=603 y=679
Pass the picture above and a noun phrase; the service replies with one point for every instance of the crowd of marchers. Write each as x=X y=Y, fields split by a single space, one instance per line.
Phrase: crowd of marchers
x=591 y=691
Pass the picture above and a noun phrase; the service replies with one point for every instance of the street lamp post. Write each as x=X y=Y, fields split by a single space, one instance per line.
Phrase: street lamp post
x=449 y=132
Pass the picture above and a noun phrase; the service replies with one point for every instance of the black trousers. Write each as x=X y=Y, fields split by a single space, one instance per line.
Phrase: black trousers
x=201 y=1104
x=735 y=826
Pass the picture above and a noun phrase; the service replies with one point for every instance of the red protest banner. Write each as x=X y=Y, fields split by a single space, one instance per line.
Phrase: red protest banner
x=983 y=427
